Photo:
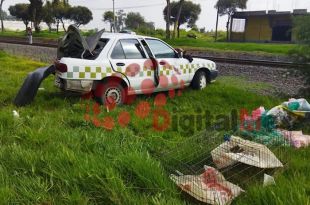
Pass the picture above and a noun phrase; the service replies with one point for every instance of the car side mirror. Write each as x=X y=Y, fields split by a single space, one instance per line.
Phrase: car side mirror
x=188 y=57
x=180 y=52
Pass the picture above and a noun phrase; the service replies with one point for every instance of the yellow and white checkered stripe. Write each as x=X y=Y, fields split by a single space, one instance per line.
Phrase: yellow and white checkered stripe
x=89 y=72
x=98 y=72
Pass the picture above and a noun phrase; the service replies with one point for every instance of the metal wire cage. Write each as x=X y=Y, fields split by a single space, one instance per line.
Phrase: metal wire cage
x=215 y=169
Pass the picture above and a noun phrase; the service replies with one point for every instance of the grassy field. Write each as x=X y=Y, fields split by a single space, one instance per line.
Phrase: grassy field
x=198 y=44
x=43 y=34
x=51 y=155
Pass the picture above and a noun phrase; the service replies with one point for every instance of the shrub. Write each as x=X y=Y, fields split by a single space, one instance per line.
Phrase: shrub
x=301 y=54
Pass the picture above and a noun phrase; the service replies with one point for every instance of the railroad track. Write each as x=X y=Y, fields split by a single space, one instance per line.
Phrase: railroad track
x=253 y=62
x=215 y=59
x=25 y=42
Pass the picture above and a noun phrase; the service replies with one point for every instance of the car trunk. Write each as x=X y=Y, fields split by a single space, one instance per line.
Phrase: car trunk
x=74 y=45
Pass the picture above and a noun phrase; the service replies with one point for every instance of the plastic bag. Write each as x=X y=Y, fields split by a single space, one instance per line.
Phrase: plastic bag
x=296 y=138
x=246 y=152
x=297 y=105
x=209 y=187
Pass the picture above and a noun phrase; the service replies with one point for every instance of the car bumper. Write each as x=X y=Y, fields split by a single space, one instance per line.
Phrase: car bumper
x=213 y=74
x=82 y=86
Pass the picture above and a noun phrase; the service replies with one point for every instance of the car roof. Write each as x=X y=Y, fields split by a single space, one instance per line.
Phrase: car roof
x=123 y=35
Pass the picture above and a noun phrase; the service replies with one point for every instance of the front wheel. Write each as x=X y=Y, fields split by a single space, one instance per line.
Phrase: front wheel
x=200 y=81
x=110 y=93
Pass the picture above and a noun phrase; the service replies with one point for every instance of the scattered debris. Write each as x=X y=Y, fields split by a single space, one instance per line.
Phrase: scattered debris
x=289 y=112
x=267 y=137
x=15 y=114
x=246 y=152
x=281 y=116
x=268 y=180
x=296 y=138
x=297 y=105
x=209 y=187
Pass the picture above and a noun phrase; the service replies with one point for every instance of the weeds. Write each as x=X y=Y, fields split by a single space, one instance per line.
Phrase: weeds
x=50 y=155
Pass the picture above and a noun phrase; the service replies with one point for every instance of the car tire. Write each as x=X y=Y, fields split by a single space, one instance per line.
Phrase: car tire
x=200 y=80
x=110 y=93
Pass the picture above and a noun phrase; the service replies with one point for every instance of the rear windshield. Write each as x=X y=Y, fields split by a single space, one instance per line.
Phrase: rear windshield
x=99 y=47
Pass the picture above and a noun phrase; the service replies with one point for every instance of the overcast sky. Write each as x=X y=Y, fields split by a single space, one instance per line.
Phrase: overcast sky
x=152 y=9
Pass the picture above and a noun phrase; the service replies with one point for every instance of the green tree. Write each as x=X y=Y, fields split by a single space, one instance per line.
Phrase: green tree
x=189 y=14
x=134 y=20
x=1 y=15
x=120 y=20
x=4 y=15
x=229 y=7
x=21 y=11
x=108 y=16
x=80 y=15
x=7 y=17
x=48 y=15
x=60 y=8
x=177 y=18
x=302 y=30
x=36 y=13
x=150 y=25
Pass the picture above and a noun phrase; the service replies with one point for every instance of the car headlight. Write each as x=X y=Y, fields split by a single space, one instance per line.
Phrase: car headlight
x=214 y=66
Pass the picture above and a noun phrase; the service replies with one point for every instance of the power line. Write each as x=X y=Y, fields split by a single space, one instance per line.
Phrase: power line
x=129 y=7
x=141 y=6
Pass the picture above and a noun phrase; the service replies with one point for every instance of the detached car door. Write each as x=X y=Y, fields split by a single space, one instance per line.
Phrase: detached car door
x=130 y=60
x=172 y=68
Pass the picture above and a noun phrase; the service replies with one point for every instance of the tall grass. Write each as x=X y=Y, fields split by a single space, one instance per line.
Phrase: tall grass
x=51 y=155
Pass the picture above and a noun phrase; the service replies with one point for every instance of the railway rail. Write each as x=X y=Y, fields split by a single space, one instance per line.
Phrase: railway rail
x=215 y=59
x=254 y=62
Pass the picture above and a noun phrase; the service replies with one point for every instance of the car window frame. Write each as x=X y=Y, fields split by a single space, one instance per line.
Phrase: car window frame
x=112 y=50
x=175 y=52
x=119 y=40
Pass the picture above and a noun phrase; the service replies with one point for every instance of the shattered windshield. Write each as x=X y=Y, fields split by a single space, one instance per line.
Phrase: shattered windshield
x=99 y=47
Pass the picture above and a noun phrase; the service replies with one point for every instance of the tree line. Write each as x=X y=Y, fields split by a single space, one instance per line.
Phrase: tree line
x=176 y=14
x=50 y=12
x=182 y=12
x=132 y=20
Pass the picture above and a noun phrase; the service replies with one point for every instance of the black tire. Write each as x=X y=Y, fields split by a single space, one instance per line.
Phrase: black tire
x=110 y=93
x=200 y=80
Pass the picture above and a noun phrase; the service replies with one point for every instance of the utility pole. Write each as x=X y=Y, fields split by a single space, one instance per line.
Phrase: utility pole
x=1 y=15
x=114 y=20
x=217 y=23
x=168 y=19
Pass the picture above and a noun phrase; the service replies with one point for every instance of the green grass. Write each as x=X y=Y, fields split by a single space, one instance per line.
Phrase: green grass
x=51 y=155
x=42 y=34
x=201 y=44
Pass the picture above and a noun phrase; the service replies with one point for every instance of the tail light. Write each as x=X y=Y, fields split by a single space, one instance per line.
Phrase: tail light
x=61 y=67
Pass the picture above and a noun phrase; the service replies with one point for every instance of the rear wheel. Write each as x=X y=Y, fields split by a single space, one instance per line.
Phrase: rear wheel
x=200 y=80
x=110 y=93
